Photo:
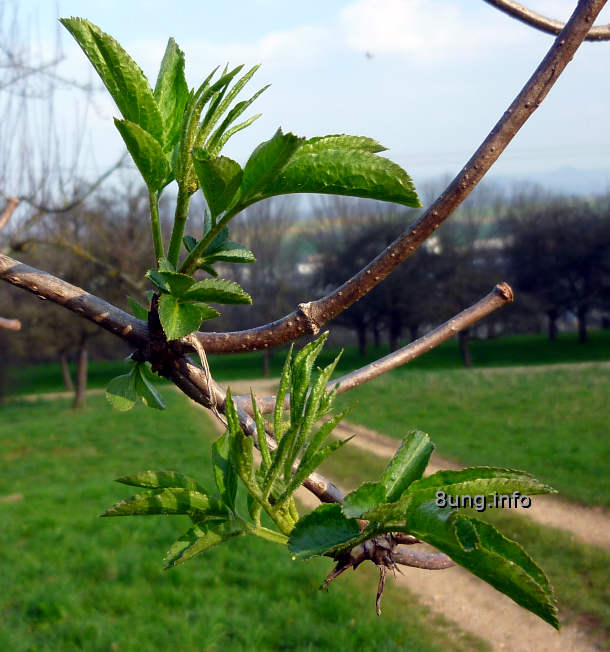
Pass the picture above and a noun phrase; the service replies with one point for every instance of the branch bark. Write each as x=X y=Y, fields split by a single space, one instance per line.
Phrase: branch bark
x=10 y=324
x=544 y=24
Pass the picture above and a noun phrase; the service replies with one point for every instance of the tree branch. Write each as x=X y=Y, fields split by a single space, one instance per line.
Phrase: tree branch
x=498 y=297
x=96 y=310
x=11 y=204
x=544 y=24
x=313 y=315
x=427 y=560
x=10 y=324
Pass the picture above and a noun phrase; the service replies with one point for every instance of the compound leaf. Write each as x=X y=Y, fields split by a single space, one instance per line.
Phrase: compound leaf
x=219 y=178
x=177 y=318
x=169 y=501
x=121 y=392
x=364 y=499
x=217 y=290
x=224 y=472
x=162 y=480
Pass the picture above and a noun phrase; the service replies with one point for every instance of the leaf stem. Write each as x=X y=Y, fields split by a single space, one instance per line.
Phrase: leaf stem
x=190 y=262
x=155 y=222
x=269 y=535
x=182 y=209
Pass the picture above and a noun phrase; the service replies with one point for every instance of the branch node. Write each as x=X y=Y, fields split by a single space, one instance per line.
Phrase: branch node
x=306 y=311
x=505 y=291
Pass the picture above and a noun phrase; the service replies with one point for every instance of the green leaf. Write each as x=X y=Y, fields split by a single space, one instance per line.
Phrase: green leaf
x=157 y=280
x=232 y=131
x=137 y=309
x=200 y=537
x=343 y=172
x=231 y=252
x=311 y=464
x=218 y=139
x=120 y=74
x=408 y=464
x=162 y=480
x=219 y=179
x=321 y=530
x=189 y=242
x=177 y=318
x=217 y=291
x=266 y=162
x=224 y=473
x=482 y=480
x=171 y=93
x=364 y=499
x=177 y=283
x=121 y=392
x=165 y=265
x=339 y=142
x=486 y=553
x=145 y=388
x=146 y=153
x=301 y=375
x=169 y=501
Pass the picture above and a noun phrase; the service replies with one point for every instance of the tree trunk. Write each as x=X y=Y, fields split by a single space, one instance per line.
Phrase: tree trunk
x=81 y=376
x=463 y=339
x=552 y=315
x=361 y=332
x=583 y=335
x=65 y=373
x=266 y=362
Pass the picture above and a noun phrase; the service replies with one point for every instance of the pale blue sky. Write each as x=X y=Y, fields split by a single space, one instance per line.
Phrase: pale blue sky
x=441 y=74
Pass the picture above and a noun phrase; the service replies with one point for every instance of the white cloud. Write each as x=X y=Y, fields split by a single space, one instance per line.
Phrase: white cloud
x=421 y=29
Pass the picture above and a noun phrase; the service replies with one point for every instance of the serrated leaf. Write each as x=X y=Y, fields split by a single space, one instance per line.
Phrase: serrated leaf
x=321 y=530
x=162 y=480
x=164 y=265
x=157 y=280
x=301 y=375
x=343 y=172
x=216 y=140
x=408 y=464
x=340 y=142
x=486 y=553
x=282 y=390
x=482 y=480
x=219 y=178
x=121 y=392
x=189 y=242
x=169 y=501
x=233 y=130
x=217 y=291
x=200 y=537
x=171 y=93
x=120 y=74
x=311 y=464
x=363 y=499
x=224 y=472
x=146 y=153
x=178 y=319
x=137 y=309
x=146 y=390
x=177 y=283
x=231 y=252
x=266 y=162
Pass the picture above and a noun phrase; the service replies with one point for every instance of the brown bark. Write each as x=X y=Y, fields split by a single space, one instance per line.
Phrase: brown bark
x=65 y=372
x=80 y=395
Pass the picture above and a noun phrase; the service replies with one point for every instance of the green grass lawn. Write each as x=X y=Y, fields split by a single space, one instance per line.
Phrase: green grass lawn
x=71 y=580
x=580 y=573
x=499 y=352
x=554 y=423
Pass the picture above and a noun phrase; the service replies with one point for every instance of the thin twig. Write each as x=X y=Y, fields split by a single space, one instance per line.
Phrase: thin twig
x=527 y=101
x=498 y=297
x=11 y=204
x=10 y=324
x=544 y=24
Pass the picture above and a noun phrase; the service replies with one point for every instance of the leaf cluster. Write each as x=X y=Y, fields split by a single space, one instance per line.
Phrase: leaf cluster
x=403 y=501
